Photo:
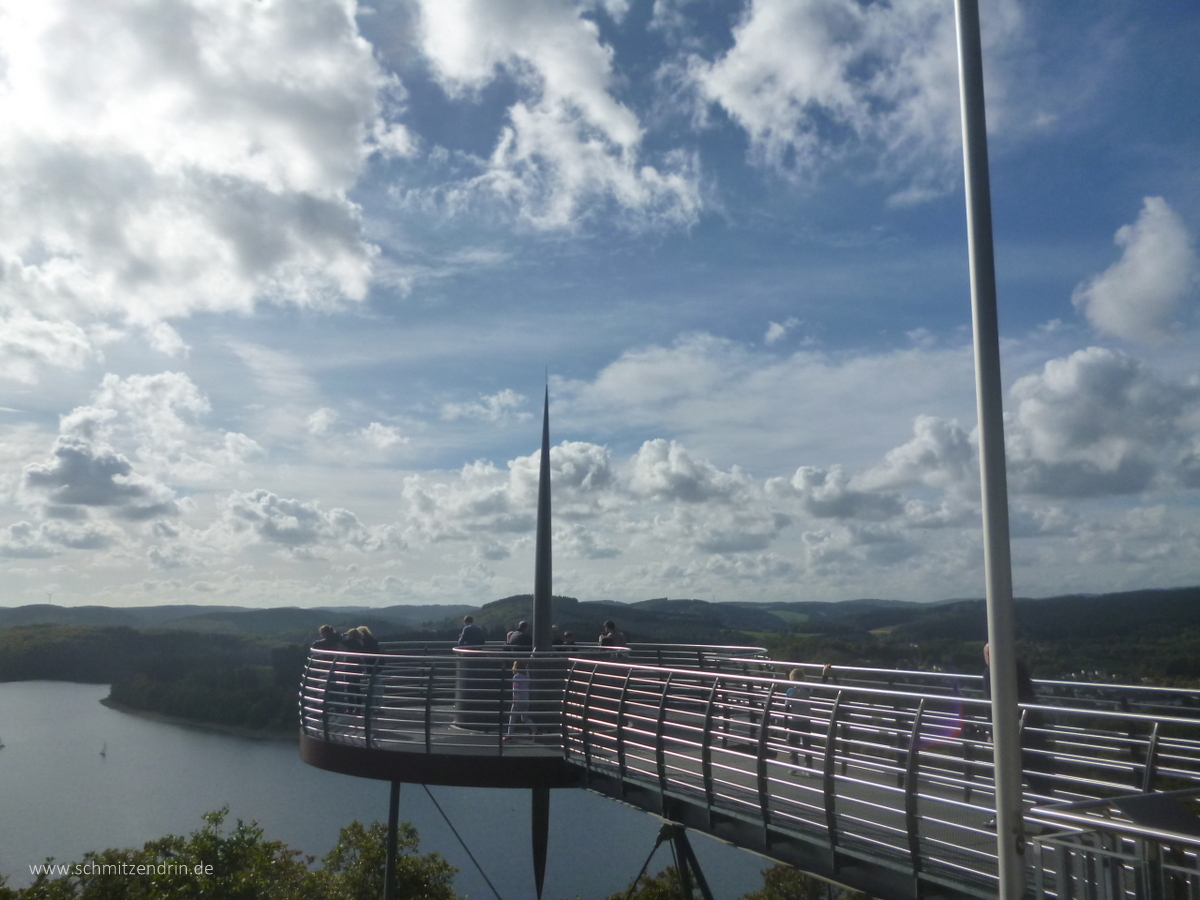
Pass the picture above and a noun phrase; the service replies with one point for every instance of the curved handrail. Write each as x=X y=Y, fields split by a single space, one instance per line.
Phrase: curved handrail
x=897 y=775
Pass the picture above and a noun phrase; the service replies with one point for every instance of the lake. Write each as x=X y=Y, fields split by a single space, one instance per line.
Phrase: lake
x=60 y=797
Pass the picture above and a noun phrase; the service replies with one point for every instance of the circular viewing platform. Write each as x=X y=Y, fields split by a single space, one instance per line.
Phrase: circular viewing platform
x=436 y=713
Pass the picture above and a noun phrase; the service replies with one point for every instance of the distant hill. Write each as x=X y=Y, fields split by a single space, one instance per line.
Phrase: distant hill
x=290 y=624
x=1126 y=616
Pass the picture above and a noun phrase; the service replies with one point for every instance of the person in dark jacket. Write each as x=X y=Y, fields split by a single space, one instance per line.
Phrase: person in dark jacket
x=612 y=635
x=328 y=640
x=520 y=638
x=472 y=635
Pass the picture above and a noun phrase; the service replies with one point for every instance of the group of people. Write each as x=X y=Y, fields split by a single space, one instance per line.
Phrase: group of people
x=521 y=637
x=356 y=640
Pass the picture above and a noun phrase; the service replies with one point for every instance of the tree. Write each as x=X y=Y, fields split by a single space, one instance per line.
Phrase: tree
x=241 y=864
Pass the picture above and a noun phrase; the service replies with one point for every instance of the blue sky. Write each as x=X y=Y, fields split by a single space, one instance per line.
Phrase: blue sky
x=281 y=281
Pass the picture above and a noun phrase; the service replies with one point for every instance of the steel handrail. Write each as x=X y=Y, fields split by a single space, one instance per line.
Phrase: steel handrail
x=895 y=776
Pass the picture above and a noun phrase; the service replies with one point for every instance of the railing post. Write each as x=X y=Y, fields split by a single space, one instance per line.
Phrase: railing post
x=500 y=708
x=621 y=730
x=827 y=782
x=911 y=791
x=587 y=727
x=706 y=774
x=325 y=700
x=764 y=793
x=367 y=703
x=660 y=744
x=1150 y=771
x=429 y=709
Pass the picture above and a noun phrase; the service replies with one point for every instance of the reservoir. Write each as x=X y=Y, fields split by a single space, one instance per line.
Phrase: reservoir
x=60 y=797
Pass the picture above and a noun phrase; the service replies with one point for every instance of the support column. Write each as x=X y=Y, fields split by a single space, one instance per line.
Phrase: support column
x=1010 y=832
x=389 y=872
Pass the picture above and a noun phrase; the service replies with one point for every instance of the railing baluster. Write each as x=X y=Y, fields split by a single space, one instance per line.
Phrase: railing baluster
x=706 y=773
x=429 y=709
x=587 y=727
x=911 y=793
x=621 y=729
x=1151 y=769
x=660 y=747
x=827 y=782
x=764 y=793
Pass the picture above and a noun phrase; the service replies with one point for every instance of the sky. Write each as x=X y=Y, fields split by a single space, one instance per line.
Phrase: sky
x=282 y=283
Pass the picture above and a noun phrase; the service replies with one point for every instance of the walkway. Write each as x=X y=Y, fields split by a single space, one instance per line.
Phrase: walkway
x=875 y=778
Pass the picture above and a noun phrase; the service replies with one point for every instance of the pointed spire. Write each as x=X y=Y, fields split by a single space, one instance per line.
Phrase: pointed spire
x=542 y=576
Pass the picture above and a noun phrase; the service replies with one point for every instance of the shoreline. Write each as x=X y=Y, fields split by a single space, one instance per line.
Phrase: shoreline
x=242 y=731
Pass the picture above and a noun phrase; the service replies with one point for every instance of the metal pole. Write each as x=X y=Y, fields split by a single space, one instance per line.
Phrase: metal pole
x=1010 y=836
x=389 y=871
x=542 y=580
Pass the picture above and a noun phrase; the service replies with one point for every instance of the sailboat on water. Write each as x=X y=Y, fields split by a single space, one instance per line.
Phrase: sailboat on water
x=104 y=750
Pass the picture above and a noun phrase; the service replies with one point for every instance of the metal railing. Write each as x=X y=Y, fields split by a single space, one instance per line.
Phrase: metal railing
x=1096 y=852
x=879 y=768
x=894 y=778
x=435 y=695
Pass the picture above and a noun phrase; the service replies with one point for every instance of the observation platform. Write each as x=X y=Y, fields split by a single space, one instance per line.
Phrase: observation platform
x=877 y=779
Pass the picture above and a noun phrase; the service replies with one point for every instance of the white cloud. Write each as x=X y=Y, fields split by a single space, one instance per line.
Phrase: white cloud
x=321 y=421
x=182 y=156
x=1137 y=297
x=297 y=526
x=157 y=418
x=25 y=540
x=568 y=143
x=27 y=344
x=940 y=455
x=664 y=470
x=827 y=494
x=1094 y=424
x=84 y=475
x=777 y=331
x=502 y=406
x=383 y=437
x=823 y=81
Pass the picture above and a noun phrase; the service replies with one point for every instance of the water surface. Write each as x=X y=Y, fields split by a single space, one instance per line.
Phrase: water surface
x=60 y=797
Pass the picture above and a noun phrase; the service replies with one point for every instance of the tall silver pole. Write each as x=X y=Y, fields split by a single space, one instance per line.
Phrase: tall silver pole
x=542 y=575
x=1010 y=833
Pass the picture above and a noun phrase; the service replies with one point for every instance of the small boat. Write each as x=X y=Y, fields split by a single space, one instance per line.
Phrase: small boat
x=104 y=750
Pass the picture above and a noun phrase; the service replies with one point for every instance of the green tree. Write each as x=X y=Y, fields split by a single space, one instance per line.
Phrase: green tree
x=241 y=864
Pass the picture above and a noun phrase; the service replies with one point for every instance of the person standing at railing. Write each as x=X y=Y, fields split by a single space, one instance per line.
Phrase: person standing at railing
x=519 y=712
x=612 y=636
x=520 y=638
x=797 y=719
x=1036 y=760
x=328 y=640
x=472 y=635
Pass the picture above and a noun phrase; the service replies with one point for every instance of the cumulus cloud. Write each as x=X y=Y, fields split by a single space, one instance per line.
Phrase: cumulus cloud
x=823 y=81
x=568 y=142
x=28 y=344
x=297 y=526
x=321 y=421
x=189 y=155
x=827 y=494
x=158 y=418
x=664 y=470
x=1138 y=297
x=777 y=331
x=383 y=437
x=502 y=406
x=25 y=540
x=939 y=455
x=1096 y=423
x=82 y=474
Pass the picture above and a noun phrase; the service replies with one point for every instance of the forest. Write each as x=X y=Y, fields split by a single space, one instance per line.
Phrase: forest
x=241 y=668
